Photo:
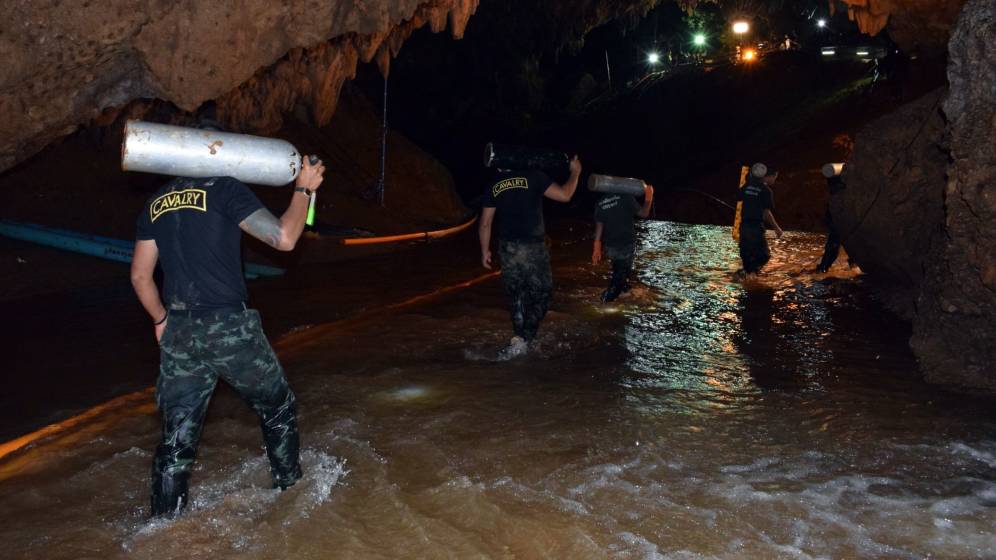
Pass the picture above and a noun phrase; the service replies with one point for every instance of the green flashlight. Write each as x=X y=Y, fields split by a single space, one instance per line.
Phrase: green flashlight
x=310 y=220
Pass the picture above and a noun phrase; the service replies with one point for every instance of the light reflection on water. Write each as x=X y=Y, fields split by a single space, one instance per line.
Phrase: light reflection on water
x=696 y=419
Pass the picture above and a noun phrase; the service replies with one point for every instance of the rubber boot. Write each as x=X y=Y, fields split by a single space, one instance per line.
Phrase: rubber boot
x=169 y=493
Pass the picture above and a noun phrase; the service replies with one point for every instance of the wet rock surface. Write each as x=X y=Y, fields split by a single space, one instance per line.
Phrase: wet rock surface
x=919 y=208
x=954 y=331
x=892 y=212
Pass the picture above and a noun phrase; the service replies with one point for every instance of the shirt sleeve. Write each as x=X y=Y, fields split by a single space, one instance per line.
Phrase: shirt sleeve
x=488 y=199
x=143 y=226
x=240 y=201
x=768 y=200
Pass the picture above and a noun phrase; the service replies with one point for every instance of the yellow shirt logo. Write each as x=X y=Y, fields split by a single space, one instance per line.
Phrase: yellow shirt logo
x=191 y=199
x=511 y=183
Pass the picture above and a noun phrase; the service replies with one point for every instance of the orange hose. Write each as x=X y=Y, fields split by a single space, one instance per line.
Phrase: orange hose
x=287 y=343
x=58 y=428
x=422 y=235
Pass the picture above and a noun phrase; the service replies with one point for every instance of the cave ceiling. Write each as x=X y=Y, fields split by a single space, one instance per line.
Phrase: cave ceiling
x=81 y=62
x=913 y=24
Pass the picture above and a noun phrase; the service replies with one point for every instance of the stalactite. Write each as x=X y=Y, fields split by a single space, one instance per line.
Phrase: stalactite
x=314 y=76
x=912 y=23
x=870 y=15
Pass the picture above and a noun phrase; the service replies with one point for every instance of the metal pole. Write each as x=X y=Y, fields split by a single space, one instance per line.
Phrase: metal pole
x=608 y=70
x=383 y=150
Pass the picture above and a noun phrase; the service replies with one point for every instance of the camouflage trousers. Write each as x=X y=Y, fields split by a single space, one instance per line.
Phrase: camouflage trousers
x=753 y=246
x=622 y=264
x=194 y=352
x=525 y=271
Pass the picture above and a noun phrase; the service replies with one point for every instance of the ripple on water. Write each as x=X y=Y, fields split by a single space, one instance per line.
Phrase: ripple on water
x=700 y=419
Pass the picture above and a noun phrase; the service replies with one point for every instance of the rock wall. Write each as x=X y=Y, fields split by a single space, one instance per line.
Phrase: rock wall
x=892 y=212
x=67 y=61
x=955 y=328
x=919 y=210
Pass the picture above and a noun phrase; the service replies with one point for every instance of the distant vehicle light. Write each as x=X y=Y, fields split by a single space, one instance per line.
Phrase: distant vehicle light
x=828 y=52
x=741 y=27
x=749 y=55
x=862 y=53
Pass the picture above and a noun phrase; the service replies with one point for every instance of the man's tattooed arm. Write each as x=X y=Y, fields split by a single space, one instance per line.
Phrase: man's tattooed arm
x=283 y=233
x=263 y=225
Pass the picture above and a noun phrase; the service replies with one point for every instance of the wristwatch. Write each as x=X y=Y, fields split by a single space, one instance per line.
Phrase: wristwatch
x=304 y=190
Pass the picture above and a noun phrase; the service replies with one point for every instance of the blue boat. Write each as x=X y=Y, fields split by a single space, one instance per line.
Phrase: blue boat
x=119 y=250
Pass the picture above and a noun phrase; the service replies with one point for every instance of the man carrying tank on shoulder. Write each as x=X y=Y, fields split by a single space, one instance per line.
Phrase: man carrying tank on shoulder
x=516 y=197
x=193 y=227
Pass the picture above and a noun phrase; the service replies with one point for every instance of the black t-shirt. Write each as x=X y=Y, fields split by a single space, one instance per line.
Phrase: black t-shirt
x=757 y=198
x=835 y=185
x=518 y=198
x=616 y=211
x=195 y=223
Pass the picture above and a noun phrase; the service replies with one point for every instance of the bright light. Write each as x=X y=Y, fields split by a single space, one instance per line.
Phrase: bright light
x=862 y=53
x=828 y=52
x=749 y=55
x=698 y=39
x=653 y=58
x=821 y=23
x=741 y=27
x=406 y=394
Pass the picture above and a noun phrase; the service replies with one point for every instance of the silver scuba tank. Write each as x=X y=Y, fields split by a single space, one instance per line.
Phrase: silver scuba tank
x=616 y=185
x=192 y=152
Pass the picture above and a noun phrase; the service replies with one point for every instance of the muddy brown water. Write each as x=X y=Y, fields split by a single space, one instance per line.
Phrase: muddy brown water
x=695 y=419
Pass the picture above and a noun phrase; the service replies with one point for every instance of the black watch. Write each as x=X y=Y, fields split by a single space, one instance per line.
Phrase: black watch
x=304 y=190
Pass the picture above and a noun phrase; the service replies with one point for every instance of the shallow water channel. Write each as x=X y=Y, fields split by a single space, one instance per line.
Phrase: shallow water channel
x=695 y=419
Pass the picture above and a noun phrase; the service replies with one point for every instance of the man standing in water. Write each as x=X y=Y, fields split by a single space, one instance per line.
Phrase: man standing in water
x=831 y=249
x=614 y=229
x=205 y=331
x=757 y=205
x=517 y=197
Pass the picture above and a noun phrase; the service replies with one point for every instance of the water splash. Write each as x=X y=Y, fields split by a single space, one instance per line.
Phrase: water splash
x=704 y=419
x=232 y=502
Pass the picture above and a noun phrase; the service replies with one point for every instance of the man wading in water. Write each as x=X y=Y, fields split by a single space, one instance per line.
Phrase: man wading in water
x=205 y=331
x=758 y=203
x=517 y=197
x=614 y=228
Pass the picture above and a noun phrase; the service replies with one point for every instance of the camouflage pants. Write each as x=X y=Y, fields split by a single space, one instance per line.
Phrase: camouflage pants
x=753 y=246
x=622 y=264
x=194 y=353
x=525 y=271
